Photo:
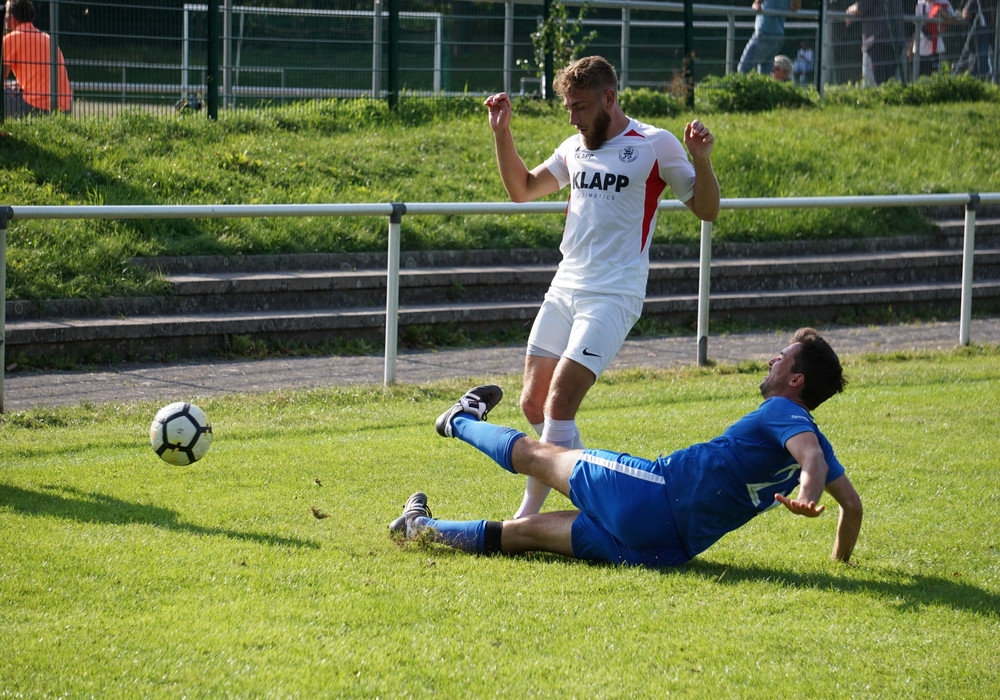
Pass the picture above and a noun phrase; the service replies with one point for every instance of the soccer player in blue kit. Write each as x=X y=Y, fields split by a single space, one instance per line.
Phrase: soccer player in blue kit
x=666 y=511
x=616 y=168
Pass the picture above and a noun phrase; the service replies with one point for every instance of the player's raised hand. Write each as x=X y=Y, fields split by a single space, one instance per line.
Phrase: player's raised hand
x=806 y=508
x=500 y=110
x=698 y=139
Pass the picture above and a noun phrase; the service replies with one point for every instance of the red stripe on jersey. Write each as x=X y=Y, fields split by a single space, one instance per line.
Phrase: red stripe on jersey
x=654 y=188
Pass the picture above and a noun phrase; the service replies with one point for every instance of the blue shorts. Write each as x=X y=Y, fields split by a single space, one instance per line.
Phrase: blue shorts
x=625 y=515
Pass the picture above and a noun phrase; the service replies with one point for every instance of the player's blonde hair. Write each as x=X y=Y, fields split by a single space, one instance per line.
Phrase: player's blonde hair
x=591 y=73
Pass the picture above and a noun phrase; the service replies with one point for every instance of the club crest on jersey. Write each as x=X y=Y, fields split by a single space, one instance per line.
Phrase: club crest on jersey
x=628 y=153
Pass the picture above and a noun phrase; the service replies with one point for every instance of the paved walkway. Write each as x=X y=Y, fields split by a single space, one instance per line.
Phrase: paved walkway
x=190 y=380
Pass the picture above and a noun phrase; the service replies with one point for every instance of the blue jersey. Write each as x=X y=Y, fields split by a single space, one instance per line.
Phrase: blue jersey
x=770 y=24
x=717 y=486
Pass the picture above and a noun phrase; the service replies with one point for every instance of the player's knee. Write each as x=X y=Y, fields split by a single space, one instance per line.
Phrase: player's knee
x=532 y=408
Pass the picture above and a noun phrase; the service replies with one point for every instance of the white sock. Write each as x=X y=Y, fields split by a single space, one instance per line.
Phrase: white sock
x=557 y=432
x=560 y=432
x=534 y=496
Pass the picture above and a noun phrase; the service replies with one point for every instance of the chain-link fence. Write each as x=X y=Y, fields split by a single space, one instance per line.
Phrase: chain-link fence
x=154 y=54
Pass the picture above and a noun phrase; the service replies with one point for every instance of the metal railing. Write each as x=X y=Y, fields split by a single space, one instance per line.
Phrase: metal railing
x=395 y=211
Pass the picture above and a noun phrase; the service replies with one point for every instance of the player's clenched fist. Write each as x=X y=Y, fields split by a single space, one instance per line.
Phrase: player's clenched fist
x=500 y=110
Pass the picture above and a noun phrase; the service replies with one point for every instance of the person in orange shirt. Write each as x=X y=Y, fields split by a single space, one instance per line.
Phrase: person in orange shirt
x=26 y=54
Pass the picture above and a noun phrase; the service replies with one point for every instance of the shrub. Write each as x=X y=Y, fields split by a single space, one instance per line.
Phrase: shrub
x=750 y=92
x=934 y=89
x=650 y=103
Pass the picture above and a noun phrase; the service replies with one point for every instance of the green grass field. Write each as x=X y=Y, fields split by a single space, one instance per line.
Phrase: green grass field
x=121 y=576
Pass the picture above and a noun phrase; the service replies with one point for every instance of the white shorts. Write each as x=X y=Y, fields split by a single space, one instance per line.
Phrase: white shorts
x=584 y=327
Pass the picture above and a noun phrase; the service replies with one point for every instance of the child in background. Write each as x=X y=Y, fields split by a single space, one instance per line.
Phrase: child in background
x=803 y=62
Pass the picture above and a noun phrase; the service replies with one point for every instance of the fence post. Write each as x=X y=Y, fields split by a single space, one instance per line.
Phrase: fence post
x=6 y=214
x=212 y=73
x=54 y=57
x=968 y=254
x=626 y=41
x=688 y=64
x=508 y=45
x=704 y=285
x=394 y=82
x=227 y=54
x=548 y=67
x=822 y=48
x=730 y=43
x=392 y=293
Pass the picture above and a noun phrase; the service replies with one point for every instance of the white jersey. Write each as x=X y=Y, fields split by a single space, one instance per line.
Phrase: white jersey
x=611 y=215
x=928 y=46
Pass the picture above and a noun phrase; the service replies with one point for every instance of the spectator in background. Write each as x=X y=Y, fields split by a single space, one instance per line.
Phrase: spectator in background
x=983 y=16
x=27 y=54
x=882 y=37
x=768 y=34
x=782 y=69
x=928 y=37
x=803 y=67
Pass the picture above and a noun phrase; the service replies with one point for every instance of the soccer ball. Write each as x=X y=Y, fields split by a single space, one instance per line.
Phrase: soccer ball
x=180 y=433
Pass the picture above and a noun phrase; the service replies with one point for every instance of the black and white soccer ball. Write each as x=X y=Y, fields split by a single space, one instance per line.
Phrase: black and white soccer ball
x=180 y=433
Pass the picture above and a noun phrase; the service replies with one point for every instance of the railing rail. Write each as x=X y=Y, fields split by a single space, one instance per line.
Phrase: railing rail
x=395 y=211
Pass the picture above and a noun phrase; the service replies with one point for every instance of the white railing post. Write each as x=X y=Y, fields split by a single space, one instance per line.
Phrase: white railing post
x=392 y=293
x=704 y=285
x=438 y=42
x=377 y=50
x=185 y=48
x=968 y=254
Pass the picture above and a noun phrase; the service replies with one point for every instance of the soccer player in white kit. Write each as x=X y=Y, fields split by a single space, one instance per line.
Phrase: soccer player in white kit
x=617 y=169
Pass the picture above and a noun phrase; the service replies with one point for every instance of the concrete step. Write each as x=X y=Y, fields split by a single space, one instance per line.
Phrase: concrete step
x=317 y=289
x=329 y=299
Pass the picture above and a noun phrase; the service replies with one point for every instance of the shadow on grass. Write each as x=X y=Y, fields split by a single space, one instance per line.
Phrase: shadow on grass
x=99 y=508
x=905 y=590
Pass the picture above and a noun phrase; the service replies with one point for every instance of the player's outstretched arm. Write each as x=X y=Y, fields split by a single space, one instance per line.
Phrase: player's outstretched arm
x=521 y=184
x=805 y=449
x=849 y=524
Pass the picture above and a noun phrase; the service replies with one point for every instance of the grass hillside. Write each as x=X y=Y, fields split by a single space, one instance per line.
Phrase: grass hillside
x=357 y=152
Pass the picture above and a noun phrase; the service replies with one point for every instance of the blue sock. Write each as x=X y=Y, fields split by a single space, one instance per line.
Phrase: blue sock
x=467 y=535
x=494 y=441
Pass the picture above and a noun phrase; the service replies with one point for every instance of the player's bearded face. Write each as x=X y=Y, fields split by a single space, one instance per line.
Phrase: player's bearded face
x=597 y=133
x=590 y=115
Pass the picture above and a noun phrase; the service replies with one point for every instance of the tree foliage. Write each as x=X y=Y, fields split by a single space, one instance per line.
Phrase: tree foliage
x=560 y=36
